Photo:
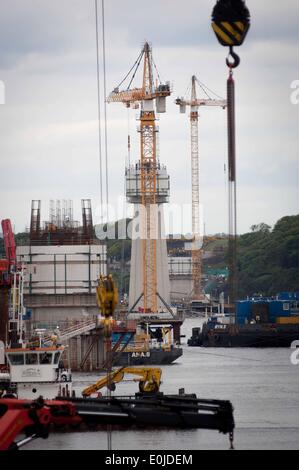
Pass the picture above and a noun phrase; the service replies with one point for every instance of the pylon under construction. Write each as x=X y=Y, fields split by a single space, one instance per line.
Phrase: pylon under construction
x=195 y=103
x=147 y=187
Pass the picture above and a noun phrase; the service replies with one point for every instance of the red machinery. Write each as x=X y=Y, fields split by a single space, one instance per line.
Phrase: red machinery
x=32 y=418
x=8 y=264
x=4 y=273
x=7 y=267
x=156 y=410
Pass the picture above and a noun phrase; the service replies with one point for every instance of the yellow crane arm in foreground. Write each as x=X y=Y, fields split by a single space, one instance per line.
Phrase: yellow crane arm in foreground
x=149 y=379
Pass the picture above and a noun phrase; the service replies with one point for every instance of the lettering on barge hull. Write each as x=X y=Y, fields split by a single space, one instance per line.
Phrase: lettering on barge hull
x=141 y=354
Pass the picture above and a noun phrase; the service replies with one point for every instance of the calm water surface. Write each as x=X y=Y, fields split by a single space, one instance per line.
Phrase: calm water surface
x=262 y=385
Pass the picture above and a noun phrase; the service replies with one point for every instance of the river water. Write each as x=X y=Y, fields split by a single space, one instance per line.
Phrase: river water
x=262 y=385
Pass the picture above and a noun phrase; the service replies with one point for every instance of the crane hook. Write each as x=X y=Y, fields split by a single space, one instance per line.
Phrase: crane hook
x=235 y=57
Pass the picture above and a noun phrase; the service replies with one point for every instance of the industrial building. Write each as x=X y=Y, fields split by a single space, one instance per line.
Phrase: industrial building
x=63 y=262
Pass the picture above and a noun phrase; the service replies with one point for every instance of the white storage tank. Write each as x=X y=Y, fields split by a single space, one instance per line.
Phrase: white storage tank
x=64 y=269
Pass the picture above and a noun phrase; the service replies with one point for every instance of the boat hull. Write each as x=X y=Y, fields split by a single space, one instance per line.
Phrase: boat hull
x=250 y=336
x=152 y=357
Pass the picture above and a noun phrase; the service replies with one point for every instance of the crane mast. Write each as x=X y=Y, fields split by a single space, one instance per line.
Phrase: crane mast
x=148 y=170
x=196 y=252
x=194 y=103
x=148 y=161
x=148 y=201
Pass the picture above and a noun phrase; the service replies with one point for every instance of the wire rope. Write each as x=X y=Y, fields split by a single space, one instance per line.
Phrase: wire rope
x=99 y=112
x=105 y=110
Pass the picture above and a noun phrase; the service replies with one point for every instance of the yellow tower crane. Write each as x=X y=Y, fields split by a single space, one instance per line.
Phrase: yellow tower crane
x=195 y=103
x=145 y=96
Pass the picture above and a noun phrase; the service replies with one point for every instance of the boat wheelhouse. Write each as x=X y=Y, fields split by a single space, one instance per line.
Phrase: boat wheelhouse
x=38 y=372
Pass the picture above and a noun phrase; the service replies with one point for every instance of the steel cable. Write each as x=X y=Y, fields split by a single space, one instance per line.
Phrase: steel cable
x=105 y=110
x=99 y=112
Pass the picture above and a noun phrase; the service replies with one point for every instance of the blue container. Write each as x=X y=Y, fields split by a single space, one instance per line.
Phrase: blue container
x=279 y=308
x=243 y=311
x=291 y=296
x=284 y=305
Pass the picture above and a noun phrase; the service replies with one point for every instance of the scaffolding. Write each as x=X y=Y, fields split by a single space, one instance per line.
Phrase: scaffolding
x=61 y=228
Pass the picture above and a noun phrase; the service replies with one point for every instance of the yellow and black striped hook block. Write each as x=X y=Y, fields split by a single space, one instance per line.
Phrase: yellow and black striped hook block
x=231 y=22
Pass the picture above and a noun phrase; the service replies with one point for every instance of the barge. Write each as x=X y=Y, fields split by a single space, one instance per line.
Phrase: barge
x=150 y=345
x=258 y=322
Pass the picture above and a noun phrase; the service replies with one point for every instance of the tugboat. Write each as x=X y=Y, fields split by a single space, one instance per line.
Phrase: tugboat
x=33 y=367
x=35 y=372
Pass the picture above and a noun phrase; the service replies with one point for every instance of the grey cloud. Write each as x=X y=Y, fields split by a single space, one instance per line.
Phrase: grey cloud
x=48 y=50
x=53 y=28
x=43 y=27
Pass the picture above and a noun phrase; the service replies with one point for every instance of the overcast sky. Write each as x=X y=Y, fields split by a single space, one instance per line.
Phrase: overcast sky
x=48 y=143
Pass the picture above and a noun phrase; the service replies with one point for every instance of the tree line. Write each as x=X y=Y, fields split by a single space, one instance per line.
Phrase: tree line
x=268 y=258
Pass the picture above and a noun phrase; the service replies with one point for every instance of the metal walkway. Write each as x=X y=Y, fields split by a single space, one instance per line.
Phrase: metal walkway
x=73 y=331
